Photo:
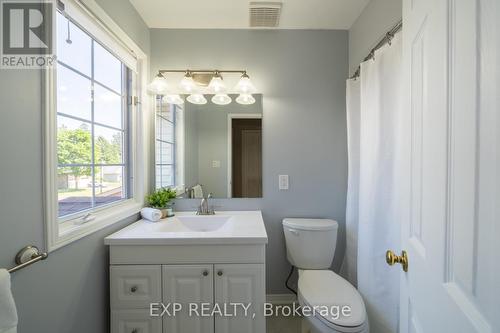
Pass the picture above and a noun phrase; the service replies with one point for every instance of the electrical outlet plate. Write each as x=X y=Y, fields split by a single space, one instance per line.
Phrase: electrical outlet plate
x=283 y=182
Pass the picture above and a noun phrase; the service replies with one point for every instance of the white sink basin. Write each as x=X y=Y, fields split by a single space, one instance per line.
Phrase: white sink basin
x=242 y=227
x=204 y=222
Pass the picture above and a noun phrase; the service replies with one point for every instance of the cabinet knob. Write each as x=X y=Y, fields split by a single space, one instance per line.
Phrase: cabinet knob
x=205 y=273
x=219 y=273
x=133 y=289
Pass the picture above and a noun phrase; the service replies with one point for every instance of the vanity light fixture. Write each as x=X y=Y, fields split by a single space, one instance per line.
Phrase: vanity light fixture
x=221 y=99
x=174 y=99
x=187 y=83
x=244 y=85
x=158 y=86
x=196 y=83
x=197 y=99
x=245 y=99
x=216 y=84
x=219 y=88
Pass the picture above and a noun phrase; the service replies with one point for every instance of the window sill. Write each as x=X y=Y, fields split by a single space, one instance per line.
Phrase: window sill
x=70 y=232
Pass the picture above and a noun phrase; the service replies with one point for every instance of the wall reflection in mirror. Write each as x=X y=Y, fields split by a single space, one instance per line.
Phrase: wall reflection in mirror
x=202 y=149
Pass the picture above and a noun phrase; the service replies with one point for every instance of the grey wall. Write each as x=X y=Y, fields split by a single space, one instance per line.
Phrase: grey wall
x=69 y=291
x=375 y=20
x=211 y=132
x=125 y=15
x=302 y=77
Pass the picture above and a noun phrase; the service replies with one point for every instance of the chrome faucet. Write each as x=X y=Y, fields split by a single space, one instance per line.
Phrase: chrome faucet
x=204 y=208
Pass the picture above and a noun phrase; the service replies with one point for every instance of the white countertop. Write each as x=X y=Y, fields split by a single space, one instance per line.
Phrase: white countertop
x=237 y=227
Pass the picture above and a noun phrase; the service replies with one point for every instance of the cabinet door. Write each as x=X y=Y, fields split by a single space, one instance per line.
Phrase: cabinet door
x=241 y=284
x=134 y=321
x=135 y=286
x=188 y=285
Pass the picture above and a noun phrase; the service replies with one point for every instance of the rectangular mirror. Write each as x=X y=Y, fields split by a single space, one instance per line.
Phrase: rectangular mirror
x=210 y=148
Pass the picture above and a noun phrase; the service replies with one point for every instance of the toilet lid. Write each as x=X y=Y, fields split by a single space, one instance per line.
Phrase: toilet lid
x=323 y=287
x=310 y=224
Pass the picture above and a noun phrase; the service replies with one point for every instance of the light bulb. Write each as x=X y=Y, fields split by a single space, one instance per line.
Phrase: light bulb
x=187 y=83
x=174 y=99
x=216 y=84
x=197 y=99
x=244 y=85
x=158 y=86
x=245 y=99
x=221 y=99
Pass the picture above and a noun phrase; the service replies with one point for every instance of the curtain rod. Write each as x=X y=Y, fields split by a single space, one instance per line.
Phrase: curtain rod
x=386 y=39
x=99 y=21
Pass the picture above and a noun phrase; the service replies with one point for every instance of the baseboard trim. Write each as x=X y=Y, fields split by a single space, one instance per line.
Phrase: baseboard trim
x=277 y=299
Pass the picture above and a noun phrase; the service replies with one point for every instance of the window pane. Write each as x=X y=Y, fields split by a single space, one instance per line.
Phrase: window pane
x=107 y=68
x=107 y=107
x=164 y=109
x=164 y=176
x=73 y=94
x=99 y=137
x=108 y=184
x=164 y=153
x=74 y=189
x=164 y=130
x=77 y=53
x=108 y=145
x=74 y=141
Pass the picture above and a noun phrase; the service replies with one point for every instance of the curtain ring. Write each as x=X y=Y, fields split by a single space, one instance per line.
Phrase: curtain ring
x=389 y=37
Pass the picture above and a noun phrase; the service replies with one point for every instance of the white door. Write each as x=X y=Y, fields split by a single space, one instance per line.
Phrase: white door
x=187 y=284
x=240 y=283
x=450 y=228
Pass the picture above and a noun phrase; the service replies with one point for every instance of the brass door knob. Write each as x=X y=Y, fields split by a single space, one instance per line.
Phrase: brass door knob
x=391 y=258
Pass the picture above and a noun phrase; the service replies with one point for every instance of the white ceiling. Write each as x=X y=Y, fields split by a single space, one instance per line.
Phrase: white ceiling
x=234 y=14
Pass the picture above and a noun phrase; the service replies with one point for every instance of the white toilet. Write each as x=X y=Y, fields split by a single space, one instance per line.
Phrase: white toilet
x=310 y=247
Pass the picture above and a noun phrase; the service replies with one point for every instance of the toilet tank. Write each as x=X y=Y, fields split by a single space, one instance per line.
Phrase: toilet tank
x=310 y=243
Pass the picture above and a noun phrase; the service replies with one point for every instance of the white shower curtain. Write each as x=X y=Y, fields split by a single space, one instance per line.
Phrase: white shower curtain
x=378 y=226
x=349 y=266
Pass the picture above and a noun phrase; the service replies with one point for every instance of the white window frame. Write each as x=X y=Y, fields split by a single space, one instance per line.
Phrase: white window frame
x=59 y=233
x=179 y=147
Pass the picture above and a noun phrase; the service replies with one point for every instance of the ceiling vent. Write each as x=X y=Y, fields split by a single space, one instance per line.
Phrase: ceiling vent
x=265 y=14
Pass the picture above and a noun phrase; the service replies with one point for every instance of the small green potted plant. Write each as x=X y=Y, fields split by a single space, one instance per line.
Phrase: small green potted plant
x=162 y=199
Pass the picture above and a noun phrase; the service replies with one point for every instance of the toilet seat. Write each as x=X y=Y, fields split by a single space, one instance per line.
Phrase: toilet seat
x=318 y=288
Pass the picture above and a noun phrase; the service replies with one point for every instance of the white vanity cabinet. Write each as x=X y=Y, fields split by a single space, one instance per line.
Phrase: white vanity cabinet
x=141 y=275
x=134 y=321
x=187 y=284
x=221 y=271
x=241 y=283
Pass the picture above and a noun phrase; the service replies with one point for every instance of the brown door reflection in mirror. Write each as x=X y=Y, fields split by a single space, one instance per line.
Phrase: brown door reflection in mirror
x=247 y=158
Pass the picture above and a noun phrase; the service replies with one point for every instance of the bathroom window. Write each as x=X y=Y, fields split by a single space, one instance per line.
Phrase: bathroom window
x=94 y=127
x=165 y=143
x=169 y=145
x=92 y=123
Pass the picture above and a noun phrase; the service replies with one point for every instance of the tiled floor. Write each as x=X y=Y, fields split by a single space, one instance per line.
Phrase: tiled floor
x=282 y=324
